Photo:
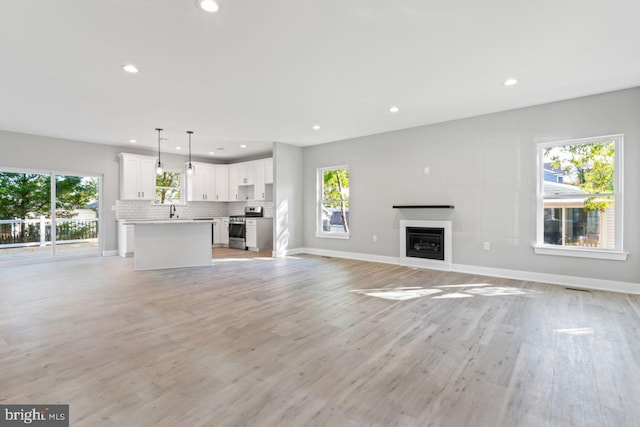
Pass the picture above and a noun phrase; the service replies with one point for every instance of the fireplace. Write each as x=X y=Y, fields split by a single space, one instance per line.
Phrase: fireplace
x=425 y=242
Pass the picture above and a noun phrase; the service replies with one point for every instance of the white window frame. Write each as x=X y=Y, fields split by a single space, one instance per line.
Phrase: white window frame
x=616 y=253
x=183 y=194
x=319 y=204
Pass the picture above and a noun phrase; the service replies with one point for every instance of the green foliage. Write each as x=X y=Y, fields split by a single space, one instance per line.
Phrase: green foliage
x=590 y=166
x=23 y=195
x=168 y=188
x=73 y=192
x=336 y=192
x=26 y=195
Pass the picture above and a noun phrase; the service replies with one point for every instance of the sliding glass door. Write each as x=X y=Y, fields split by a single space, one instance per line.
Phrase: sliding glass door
x=76 y=216
x=39 y=220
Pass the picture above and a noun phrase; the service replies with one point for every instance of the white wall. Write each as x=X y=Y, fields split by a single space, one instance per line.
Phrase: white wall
x=486 y=167
x=288 y=190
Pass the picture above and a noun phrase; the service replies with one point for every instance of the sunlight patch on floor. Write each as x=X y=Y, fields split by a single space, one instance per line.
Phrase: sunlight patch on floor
x=466 y=285
x=444 y=291
x=398 y=294
x=576 y=331
x=453 y=295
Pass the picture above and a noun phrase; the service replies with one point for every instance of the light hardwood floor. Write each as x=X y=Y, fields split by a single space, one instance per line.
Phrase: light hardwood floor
x=313 y=341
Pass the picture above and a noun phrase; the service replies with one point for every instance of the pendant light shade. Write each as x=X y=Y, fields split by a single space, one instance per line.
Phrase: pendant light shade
x=190 y=168
x=159 y=168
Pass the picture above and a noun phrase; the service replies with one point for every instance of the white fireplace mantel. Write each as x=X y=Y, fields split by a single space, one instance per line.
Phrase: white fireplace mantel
x=422 y=262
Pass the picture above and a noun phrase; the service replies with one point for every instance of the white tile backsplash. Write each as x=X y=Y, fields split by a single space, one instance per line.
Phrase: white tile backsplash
x=144 y=209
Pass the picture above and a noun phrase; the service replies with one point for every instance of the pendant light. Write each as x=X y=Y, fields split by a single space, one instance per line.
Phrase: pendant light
x=159 y=164
x=190 y=168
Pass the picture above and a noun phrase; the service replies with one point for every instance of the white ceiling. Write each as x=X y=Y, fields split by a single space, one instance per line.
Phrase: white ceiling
x=262 y=71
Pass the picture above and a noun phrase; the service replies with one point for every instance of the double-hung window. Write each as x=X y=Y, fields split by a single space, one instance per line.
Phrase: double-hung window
x=333 y=202
x=580 y=198
x=168 y=188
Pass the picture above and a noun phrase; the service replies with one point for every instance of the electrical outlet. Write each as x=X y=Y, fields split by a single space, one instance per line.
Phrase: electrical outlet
x=487 y=246
x=427 y=171
x=375 y=238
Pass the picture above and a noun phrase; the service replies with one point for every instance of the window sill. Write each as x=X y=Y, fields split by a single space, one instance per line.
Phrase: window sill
x=580 y=252
x=333 y=236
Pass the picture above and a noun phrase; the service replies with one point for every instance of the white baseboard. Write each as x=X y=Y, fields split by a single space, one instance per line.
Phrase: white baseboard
x=553 y=279
x=110 y=253
x=353 y=255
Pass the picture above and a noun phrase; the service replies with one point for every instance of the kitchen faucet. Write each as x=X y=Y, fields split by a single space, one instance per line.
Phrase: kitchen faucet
x=172 y=211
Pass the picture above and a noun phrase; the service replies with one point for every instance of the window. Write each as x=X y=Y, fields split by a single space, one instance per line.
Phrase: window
x=333 y=202
x=168 y=188
x=580 y=198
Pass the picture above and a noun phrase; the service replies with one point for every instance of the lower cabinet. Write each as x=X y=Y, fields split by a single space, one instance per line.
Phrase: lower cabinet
x=251 y=228
x=221 y=231
x=259 y=234
x=125 y=239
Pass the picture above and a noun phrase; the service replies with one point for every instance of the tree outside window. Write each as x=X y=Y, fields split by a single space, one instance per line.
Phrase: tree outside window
x=168 y=188
x=579 y=193
x=334 y=201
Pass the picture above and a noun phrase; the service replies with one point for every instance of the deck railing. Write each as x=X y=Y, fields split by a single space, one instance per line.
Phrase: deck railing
x=37 y=231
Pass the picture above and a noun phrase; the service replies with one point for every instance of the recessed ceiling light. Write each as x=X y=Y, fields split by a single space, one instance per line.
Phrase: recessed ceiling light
x=393 y=109
x=133 y=141
x=315 y=127
x=211 y=153
x=510 y=82
x=130 y=68
x=178 y=148
x=208 y=5
x=243 y=145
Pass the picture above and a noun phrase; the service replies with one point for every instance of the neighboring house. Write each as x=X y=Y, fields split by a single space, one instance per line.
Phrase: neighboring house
x=567 y=223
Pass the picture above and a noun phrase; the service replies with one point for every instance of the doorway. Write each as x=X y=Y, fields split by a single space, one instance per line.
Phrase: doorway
x=48 y=215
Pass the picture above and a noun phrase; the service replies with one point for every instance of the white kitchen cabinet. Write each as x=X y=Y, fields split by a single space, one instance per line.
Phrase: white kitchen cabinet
x=222 y=183
x=217 y=231
x=234 y=195
x=201 y=186
x=251 y=230
x=221 y=231
x=137 y=177
x=125 y=239
x=259 y=190
x=268 y=171
x=224 y=238
x=246 y=173
x=259 y=234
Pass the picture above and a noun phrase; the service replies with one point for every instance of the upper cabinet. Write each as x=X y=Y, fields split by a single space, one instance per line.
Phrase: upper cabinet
x=234 y=194
x=209 y=183
x=259 y=174
x=201 y=186
x=259 y=190
x=222 y=183
x=137 y=177
x=268 y=170
x=246 y=173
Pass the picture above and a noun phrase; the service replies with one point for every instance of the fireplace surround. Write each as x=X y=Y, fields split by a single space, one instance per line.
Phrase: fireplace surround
x=426 y=244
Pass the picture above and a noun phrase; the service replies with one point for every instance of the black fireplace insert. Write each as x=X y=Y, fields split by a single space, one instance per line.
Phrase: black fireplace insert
x=423 y=242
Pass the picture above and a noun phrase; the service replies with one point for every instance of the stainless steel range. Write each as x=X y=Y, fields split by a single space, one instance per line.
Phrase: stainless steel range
x=237 y=232
x=237 y=229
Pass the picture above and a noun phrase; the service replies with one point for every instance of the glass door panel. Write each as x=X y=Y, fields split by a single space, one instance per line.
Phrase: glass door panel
x=77 y=221
x=25 y=216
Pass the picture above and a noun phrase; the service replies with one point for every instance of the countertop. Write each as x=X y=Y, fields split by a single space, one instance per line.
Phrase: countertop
x=167 y=221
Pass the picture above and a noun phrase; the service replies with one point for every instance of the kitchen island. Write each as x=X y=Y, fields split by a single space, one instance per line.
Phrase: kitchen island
x=171 y=243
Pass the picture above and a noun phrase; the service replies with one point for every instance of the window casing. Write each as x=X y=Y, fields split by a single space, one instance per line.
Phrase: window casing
x=169 y=188
x=579 y=208
x=333 y=201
